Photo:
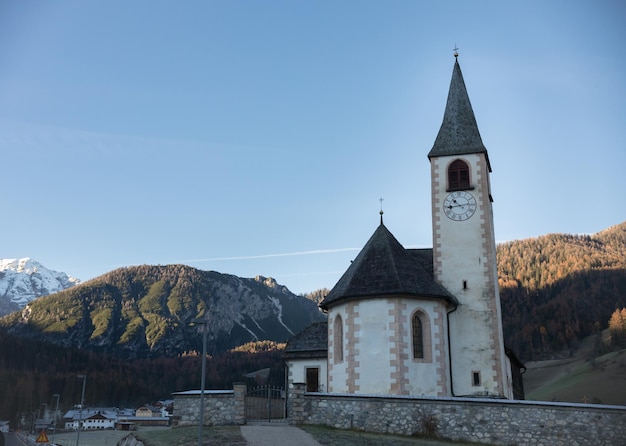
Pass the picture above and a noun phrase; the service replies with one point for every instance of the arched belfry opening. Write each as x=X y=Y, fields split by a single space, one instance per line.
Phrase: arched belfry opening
x=458 y=175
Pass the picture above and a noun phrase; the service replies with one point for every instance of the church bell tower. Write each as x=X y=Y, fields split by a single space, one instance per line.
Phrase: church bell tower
x=464 y=249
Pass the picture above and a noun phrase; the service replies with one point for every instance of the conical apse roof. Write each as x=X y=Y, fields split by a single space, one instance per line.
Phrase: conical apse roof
x=384 y=268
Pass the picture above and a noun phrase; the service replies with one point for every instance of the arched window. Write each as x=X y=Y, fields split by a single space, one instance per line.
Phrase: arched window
x=338 y=339
x=418 y=337
x=420 y=330
x=458 y=175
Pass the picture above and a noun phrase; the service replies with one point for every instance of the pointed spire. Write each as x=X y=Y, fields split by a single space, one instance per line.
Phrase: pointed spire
x=459 y=132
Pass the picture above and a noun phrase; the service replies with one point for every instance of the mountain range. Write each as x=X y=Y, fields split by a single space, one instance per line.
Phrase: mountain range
x=555 y=290
x=149 y=311
x=23 y=280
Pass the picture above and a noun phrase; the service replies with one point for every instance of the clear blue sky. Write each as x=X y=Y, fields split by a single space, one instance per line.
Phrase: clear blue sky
x=256 y=137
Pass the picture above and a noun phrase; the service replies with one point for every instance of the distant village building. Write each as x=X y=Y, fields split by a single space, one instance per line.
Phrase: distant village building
x=42 y=424
x=421 y=321
x=113 y=418
x=149 y=416
x=166 y=407
x=90 y=418
x=147 y=411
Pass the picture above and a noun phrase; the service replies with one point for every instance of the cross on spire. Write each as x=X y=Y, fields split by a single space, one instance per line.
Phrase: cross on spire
x=456 y=51
x=381 y=209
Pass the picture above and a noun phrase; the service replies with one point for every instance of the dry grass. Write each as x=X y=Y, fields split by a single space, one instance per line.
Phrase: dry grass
x=600 y=381
x=89 y=438
x=231 y=436
x=337 y=437
x=579 y=379
x=188 y=436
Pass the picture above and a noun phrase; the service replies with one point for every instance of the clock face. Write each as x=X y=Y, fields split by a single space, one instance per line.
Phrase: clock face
x=459 y=206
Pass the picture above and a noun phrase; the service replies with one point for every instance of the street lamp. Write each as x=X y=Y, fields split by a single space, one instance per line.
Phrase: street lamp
x=80 y=412
x=54 y=426
x=203 y=322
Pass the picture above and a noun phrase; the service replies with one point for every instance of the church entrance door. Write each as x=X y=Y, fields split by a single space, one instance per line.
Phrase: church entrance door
x=312 y=379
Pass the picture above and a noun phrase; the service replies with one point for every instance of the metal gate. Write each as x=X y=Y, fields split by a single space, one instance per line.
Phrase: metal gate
x=266 y=403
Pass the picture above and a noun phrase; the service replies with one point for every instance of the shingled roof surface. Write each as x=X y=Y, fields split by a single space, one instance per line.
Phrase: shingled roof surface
x=310 y=342
x=384 y=268
x=459 y=133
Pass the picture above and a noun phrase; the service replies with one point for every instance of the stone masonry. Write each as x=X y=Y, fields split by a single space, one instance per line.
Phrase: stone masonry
x=489 y=421
x=221 y=407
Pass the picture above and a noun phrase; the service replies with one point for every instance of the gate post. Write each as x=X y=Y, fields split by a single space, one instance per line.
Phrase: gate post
x=296 y=403
x=239 y=396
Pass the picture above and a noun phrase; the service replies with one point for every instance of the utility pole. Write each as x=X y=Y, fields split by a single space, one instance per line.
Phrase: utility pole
x=80 y=413
x=56 y=411
x=204 y=323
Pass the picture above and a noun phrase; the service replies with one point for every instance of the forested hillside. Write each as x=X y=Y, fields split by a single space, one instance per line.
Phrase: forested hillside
x=557 y=289
x=147 y=311
x=31 y=371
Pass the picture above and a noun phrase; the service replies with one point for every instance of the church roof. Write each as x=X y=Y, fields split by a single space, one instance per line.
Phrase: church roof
x=459 y=133
x=312 y=342
x=385 y=268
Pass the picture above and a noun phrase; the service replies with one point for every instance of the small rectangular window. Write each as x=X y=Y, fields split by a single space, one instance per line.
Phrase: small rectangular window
x=475 y=378
x=465 y=284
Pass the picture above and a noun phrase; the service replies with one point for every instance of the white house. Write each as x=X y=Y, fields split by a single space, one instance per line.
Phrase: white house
x=92 y=418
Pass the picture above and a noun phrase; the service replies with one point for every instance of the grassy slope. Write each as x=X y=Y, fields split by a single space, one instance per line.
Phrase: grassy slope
x=579 y=379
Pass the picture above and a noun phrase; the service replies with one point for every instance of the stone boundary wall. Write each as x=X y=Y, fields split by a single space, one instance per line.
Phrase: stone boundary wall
x=221 y=407
x=488 y=421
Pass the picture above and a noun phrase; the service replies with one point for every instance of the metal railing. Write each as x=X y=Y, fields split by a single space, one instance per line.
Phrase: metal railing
x=266 y=403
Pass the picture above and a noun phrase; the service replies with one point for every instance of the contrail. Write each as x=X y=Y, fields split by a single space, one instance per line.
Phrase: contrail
x=260 y=256
x=265 y=256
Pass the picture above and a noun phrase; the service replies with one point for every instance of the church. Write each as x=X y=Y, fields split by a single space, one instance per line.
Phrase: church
x=421 y=322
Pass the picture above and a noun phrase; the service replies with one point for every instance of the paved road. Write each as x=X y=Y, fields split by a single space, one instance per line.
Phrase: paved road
x=12 y=439
x=276 y=434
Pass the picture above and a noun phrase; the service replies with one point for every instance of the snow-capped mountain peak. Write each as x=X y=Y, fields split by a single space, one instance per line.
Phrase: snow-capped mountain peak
x=22 y=280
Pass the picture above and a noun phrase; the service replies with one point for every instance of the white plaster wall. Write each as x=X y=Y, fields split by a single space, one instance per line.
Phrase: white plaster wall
x=423 y=376
x=509 y=379
x=337 y=370
x=464 y=256
x=375 y=339
x=374 y=347
x=297 y=371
